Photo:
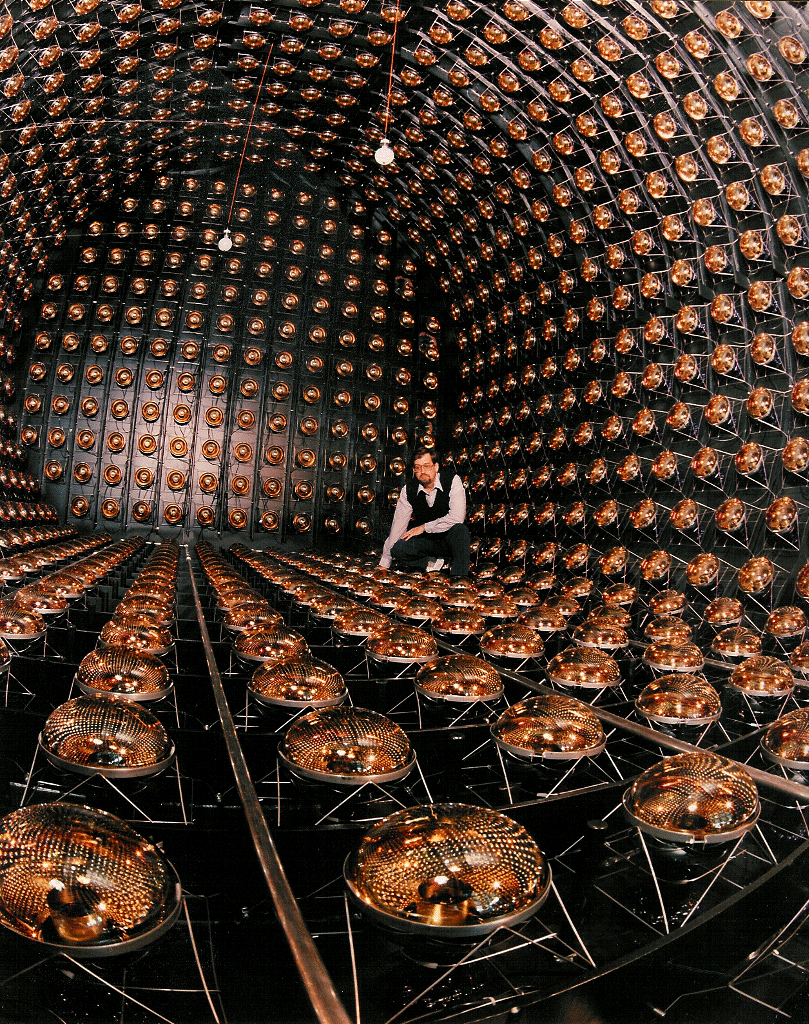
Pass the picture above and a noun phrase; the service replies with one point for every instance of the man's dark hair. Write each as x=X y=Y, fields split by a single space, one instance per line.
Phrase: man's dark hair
x=419 y=453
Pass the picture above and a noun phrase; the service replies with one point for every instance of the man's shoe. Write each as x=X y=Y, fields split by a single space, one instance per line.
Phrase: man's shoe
x=435 y=565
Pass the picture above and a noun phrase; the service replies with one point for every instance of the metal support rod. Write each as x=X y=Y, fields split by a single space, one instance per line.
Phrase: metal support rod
x=654 y=879
x=319 y=986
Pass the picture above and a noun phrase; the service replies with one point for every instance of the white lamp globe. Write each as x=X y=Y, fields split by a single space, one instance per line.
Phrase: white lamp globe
x=384 y=156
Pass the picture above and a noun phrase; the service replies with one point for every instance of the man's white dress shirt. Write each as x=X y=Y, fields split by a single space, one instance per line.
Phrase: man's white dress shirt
x=404 y=510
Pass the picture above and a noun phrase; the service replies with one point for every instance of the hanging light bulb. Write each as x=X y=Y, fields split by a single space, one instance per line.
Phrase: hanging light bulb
x=384 y=156
x=225 y=243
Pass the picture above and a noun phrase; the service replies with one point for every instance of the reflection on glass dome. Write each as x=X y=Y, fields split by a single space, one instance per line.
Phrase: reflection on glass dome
x=786 y=621
x=448 y=870
x=81 y=880
x=299 y=680
x=679 y=699
x=346 y=746
x=799 y=663
x=668 y=602
x=693 y=798
x=762 y=676
x=459 y=622
x=250 y=615
x=418 y=609
x=139 y=634
x=18 y=623
x=736 y=642
x=549 y=726
x=359 y=622
x=585 y=667
x=106 y=735
x=667 y=627
x=601 y=634
x=40 y=599
x=786 y=742
x=673 y=656
x=402 y=645
x=269 y=643
x=512 y=641
x=133 y=674
x=327 y=607
x=543 y=619
x=459 y=678
x=161 y=610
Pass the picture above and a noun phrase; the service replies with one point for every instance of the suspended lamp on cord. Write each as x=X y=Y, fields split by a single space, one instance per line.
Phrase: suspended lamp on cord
x=384 y=155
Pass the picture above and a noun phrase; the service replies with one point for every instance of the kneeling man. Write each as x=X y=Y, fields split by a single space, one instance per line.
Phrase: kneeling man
x=428 y=525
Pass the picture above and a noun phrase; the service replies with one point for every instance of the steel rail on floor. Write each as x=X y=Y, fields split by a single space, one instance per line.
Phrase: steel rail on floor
x=316 y=980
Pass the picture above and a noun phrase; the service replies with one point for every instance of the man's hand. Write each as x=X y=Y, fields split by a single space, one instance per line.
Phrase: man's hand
x=415 y=532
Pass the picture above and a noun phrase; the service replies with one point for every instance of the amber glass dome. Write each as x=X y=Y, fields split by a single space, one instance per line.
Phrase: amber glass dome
x=358 y=623
x=107 y=735
x=673 y=656
x=42 y=600
x=459 y=678
x=137 y=633
x=584 y=667
x=419 y=871
x=458 y=623
x=401 y=645
x=763 y=676
x=346 y=746
x=78 y=879
x=693 y=798
x=298 y=681
x=549 y=726
x=679 y=699
x=18 y=623
x=137 y=675
x=514 y=642
x=269 y=643
x=786 y=741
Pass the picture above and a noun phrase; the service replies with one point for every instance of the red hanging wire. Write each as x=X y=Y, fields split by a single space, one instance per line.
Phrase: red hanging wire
x=247 y=134
x=390 y=72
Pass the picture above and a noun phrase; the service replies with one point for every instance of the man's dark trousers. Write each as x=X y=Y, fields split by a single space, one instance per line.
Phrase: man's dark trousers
x=452 y=545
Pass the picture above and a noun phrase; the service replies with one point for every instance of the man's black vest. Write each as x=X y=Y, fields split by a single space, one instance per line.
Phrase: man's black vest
x=422 y=513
